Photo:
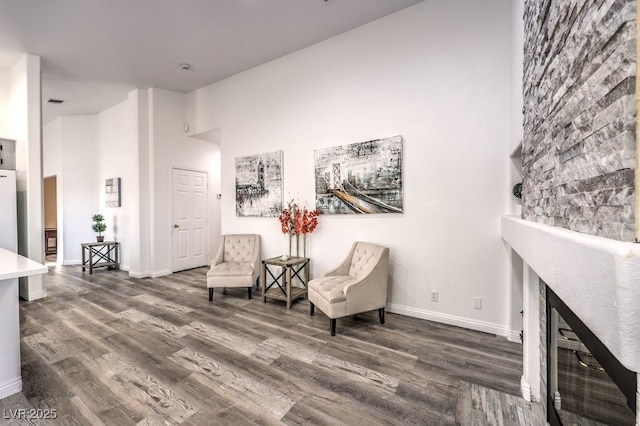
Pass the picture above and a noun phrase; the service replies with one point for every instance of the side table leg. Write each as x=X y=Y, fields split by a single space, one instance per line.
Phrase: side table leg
x=306 y=279
x=109 y=249
x=289 y=286
x=91 y=260
x=263 y=280
x=84 y=262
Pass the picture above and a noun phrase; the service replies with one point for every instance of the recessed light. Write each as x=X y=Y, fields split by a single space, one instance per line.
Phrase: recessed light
x=55 y=101
x=185 y=66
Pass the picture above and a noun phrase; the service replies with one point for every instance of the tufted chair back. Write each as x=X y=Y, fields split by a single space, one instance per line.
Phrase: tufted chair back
x=358 y=284
x=239 y=247
x=365 y=257
x=237 y=263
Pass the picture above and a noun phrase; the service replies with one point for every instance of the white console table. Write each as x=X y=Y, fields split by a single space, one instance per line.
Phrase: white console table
x=12 y=267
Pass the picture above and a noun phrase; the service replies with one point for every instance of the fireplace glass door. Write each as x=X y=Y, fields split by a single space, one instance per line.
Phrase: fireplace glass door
x=580 y=388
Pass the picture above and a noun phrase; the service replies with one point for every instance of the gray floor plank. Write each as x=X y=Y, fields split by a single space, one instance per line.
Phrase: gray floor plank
x=109 y=349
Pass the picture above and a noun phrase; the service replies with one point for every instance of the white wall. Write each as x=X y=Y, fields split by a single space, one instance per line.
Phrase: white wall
x=83 y=151
x=71 y=153
x=5 y=115
x=51 y=146
x=117 y=153
x=171 y=147
x=25 y=129
x=516 y=130
x=140 y=256
x=514 y=164
x=52 y=166
x=437 y=74
x=139 y=140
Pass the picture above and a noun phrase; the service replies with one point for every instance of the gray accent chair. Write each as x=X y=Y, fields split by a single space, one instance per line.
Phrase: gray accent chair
x=237 y=263
x=358 y=285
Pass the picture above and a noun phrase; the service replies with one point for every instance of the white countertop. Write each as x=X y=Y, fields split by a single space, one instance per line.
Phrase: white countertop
x=12 y=265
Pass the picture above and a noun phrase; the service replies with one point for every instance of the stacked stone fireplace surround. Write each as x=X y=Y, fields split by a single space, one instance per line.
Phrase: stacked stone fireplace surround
x=579 y=150
x=579 y=227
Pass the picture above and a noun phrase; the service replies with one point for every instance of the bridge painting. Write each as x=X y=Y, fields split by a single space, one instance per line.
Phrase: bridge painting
x=259 y=185
x=360 y=178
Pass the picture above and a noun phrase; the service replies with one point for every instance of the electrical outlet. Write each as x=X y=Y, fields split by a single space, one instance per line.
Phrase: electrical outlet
x=434 y=295
x=477 y=303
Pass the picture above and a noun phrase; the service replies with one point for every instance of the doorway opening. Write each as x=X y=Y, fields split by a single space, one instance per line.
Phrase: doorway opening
x=50 y=220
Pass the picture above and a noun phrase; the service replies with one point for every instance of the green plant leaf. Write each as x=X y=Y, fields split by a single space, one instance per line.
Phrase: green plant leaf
x=517 y=190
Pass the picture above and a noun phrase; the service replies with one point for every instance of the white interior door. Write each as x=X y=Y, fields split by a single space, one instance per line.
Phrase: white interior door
x=190 y=220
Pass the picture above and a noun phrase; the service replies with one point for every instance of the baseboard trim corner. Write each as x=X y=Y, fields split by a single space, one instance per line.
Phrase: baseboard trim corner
x=161 y=273
x=514 y=336
x=525 y=389
x=10 y=387
x=138 y=274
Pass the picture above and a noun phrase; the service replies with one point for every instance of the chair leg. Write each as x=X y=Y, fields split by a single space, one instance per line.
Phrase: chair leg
x=381 y=315
x=210 y=294
x=312 y=308
x=333 y=326
x=249 y=292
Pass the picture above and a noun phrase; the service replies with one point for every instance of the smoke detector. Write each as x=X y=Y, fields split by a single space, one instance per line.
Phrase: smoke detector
x=55 y=101
x=184 y=66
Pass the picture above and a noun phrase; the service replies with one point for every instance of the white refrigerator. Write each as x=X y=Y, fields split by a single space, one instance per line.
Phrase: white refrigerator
x=8 y=211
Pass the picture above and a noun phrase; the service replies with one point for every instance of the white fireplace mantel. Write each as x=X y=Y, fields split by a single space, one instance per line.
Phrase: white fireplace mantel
x=597 y=278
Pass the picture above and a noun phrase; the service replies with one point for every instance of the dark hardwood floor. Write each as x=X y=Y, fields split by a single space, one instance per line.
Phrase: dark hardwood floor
x=109 y=349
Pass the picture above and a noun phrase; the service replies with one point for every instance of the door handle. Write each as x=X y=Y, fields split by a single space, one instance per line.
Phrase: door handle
x=175 y=225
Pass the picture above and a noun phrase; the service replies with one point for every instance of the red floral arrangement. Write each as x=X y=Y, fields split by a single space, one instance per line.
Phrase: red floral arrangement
x=294 y=220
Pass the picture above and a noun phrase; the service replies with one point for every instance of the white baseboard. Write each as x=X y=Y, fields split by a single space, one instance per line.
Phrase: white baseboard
x=32 y=288
x=138 y=274
x=10 y=387
x=34 y=295
x=486 y=327
x=525 y=389
x=514 y=336
x=161 y=273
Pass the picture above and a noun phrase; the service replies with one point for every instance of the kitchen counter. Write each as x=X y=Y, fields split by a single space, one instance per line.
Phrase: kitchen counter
x=12 y=267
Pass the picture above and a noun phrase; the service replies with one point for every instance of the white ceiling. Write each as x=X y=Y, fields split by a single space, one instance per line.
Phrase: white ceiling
x=94 y=52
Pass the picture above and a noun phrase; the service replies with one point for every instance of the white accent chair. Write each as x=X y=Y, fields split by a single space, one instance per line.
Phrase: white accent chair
x=237 y=263
x=358 y=285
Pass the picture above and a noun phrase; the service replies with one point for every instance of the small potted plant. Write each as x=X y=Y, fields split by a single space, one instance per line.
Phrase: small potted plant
x=99 y=226
x=517 y=192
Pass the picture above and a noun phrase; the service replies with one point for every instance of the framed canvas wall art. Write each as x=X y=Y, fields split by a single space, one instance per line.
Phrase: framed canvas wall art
x=360 y=178
x=259 y=185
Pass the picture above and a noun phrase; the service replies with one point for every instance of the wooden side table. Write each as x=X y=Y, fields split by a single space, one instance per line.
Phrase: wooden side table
x=290 y=268
x=105 y=254
x=50 y=240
